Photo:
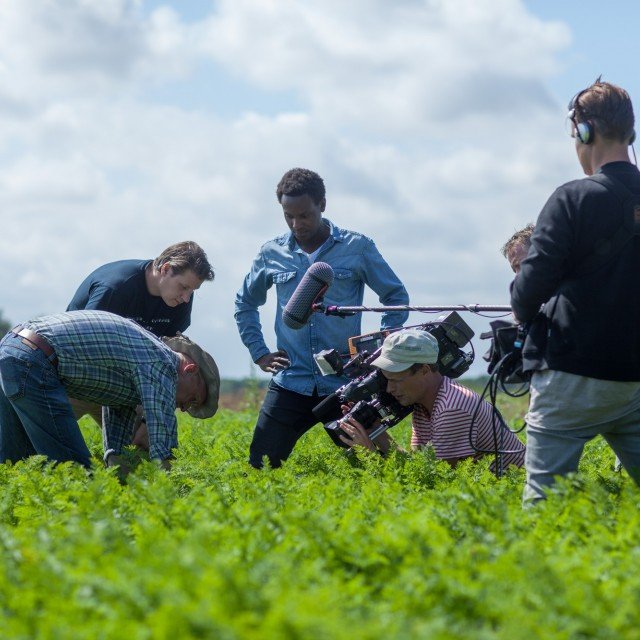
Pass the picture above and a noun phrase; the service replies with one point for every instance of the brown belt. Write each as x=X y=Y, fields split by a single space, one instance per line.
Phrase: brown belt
x=36 y=341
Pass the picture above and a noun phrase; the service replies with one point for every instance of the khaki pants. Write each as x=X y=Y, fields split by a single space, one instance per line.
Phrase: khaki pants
x=82 y=408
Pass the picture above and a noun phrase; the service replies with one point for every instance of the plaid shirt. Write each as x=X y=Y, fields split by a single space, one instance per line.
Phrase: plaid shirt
x=110 y=360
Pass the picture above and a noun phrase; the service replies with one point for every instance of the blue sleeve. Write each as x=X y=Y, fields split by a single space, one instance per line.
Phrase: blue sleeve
x=379 y=276
x=253 y=294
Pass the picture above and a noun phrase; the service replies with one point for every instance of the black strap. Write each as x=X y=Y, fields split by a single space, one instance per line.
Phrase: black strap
x=607 y=248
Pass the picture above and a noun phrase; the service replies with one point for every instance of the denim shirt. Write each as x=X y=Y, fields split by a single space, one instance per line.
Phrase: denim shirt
x=355 y=261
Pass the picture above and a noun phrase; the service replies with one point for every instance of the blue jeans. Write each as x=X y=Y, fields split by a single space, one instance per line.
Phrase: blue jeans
x=35 y=414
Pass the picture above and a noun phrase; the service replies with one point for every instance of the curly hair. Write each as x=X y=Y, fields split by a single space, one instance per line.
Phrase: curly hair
x=519 y=237
x=608 y=107
x=298 y=182
x=186 y=255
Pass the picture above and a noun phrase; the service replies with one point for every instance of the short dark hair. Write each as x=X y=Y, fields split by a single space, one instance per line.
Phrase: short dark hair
x=414 y=368
x=186 y=255
x=519 y=237
x=298 y=182
x=608 y=107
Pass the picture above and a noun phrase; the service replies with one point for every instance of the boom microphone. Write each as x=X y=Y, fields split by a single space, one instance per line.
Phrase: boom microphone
x=314 y=283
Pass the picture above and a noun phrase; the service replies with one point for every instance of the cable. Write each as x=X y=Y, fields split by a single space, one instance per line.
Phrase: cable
x=499 y=426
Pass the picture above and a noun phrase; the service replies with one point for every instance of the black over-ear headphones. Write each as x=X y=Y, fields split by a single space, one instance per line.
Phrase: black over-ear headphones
x=585 y=130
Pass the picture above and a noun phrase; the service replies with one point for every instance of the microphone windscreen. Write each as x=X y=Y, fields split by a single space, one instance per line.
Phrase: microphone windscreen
x=314 y=283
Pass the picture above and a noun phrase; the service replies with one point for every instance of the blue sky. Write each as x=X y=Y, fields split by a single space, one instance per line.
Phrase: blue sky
x=604 y=40
x=127 y=125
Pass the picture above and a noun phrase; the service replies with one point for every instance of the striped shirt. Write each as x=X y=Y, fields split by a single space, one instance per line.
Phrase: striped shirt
x=447 y=428
x=112 y=361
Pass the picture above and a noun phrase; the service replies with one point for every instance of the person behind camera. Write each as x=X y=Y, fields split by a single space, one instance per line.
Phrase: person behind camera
x=298 y=386
x=583 y=347
x=516 y=248
x=443 y=410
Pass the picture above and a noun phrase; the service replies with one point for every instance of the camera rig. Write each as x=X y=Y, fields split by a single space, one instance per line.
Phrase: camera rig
x=366 y=392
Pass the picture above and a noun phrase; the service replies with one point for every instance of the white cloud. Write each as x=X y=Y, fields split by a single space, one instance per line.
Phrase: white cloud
x=411 y=65
x=429 y=120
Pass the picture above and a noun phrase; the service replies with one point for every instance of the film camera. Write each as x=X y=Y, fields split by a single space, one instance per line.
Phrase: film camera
x=367 y=389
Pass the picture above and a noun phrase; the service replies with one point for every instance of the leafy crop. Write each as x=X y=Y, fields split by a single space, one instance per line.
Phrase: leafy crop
x=326 y=547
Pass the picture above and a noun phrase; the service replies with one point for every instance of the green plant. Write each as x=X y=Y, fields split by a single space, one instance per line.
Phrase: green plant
x=326 y=547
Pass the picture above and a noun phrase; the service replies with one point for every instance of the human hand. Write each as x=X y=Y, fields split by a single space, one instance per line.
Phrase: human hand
x=345 y=408
x=123 y=469
x=356 y=434
x=274 y=362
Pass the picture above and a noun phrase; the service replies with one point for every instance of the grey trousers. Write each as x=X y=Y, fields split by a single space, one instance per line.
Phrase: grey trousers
x=565 y=412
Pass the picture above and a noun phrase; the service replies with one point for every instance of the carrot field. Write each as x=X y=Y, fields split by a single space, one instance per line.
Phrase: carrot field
x=327 y=547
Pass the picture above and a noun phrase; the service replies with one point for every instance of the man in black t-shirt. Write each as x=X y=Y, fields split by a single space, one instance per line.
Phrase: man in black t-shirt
x=157 y=294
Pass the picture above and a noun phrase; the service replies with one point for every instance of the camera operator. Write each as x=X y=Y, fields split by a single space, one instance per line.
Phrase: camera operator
x=516 y=248
x=443 y=410
x=584 y=345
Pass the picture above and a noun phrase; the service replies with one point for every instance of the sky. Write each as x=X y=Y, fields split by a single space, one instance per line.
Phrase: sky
x=438 y=127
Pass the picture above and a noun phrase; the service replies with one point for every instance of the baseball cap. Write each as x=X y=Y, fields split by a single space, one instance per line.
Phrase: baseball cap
x=406 y=347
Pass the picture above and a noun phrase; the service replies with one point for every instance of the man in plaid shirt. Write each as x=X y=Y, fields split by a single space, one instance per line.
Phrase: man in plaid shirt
x=98 y=357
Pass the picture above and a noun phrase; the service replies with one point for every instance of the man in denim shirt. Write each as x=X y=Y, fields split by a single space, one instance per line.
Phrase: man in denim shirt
x=297 y=385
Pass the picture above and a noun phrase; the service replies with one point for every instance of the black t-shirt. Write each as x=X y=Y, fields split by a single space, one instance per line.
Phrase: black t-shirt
x=120 y=287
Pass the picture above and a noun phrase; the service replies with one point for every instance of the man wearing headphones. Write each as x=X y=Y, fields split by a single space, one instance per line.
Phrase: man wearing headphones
x=583 y=346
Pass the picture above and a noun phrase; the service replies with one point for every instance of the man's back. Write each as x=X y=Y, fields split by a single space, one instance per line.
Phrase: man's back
x=104 y=357
x=591 y=320
x=583 y=348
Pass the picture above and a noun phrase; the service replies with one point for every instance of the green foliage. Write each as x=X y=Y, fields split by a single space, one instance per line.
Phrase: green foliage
x=329 y=546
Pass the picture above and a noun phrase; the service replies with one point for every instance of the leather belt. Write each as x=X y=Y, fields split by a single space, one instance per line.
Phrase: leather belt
x=36 y=341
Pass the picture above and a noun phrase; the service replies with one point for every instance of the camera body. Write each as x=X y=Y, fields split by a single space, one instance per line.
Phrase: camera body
x=367 y=391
